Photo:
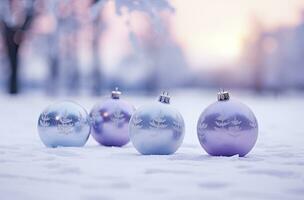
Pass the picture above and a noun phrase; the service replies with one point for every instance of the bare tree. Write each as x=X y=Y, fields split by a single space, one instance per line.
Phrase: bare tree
x=15 y=18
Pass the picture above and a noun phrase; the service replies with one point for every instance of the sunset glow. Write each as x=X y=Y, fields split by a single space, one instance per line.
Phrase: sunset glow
x=212 y=32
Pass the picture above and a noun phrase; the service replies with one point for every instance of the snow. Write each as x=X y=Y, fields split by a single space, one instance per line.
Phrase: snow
x=274 y=169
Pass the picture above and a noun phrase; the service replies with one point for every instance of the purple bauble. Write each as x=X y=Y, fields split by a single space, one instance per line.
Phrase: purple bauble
x=227 y=127
x=110 y=121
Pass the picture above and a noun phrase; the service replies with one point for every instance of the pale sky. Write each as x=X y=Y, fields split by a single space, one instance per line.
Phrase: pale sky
x=212 y=31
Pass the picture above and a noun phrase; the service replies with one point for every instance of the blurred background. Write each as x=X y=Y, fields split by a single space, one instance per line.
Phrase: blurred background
x=76 y=47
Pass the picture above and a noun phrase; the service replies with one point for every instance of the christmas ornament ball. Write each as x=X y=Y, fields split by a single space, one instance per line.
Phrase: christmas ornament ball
x=64 y=124
x=157 y=129
x=227 y=127
x=110 y=121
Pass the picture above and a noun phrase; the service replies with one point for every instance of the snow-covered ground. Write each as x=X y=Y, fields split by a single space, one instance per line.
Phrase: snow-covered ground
x=274 y=169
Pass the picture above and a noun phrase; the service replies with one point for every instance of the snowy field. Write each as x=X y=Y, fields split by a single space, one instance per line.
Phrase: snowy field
x=274 y=169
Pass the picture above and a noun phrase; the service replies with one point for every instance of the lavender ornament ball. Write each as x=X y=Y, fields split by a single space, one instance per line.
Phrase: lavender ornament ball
x=157 y=129
x=110 y=121
x=227 y=127
x=64 y=124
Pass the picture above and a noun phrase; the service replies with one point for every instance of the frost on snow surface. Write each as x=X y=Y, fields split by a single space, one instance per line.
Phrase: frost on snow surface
x=274 y=169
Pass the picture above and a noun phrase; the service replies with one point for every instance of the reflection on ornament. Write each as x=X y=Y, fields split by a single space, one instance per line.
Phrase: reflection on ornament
x=117 y=117
x=81 y=120
x=235 y=127
x=159 y=121
x=235 y=122
x=137 y=121
x=221 y=122
x=202 y=126
x=44 y=120
x=177 y=123
x=253 y=124
x=65 y=125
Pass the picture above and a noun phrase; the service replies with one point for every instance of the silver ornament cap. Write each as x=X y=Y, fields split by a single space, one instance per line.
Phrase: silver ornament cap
x=116 y=93
x=164 y=97
x=223 y=95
